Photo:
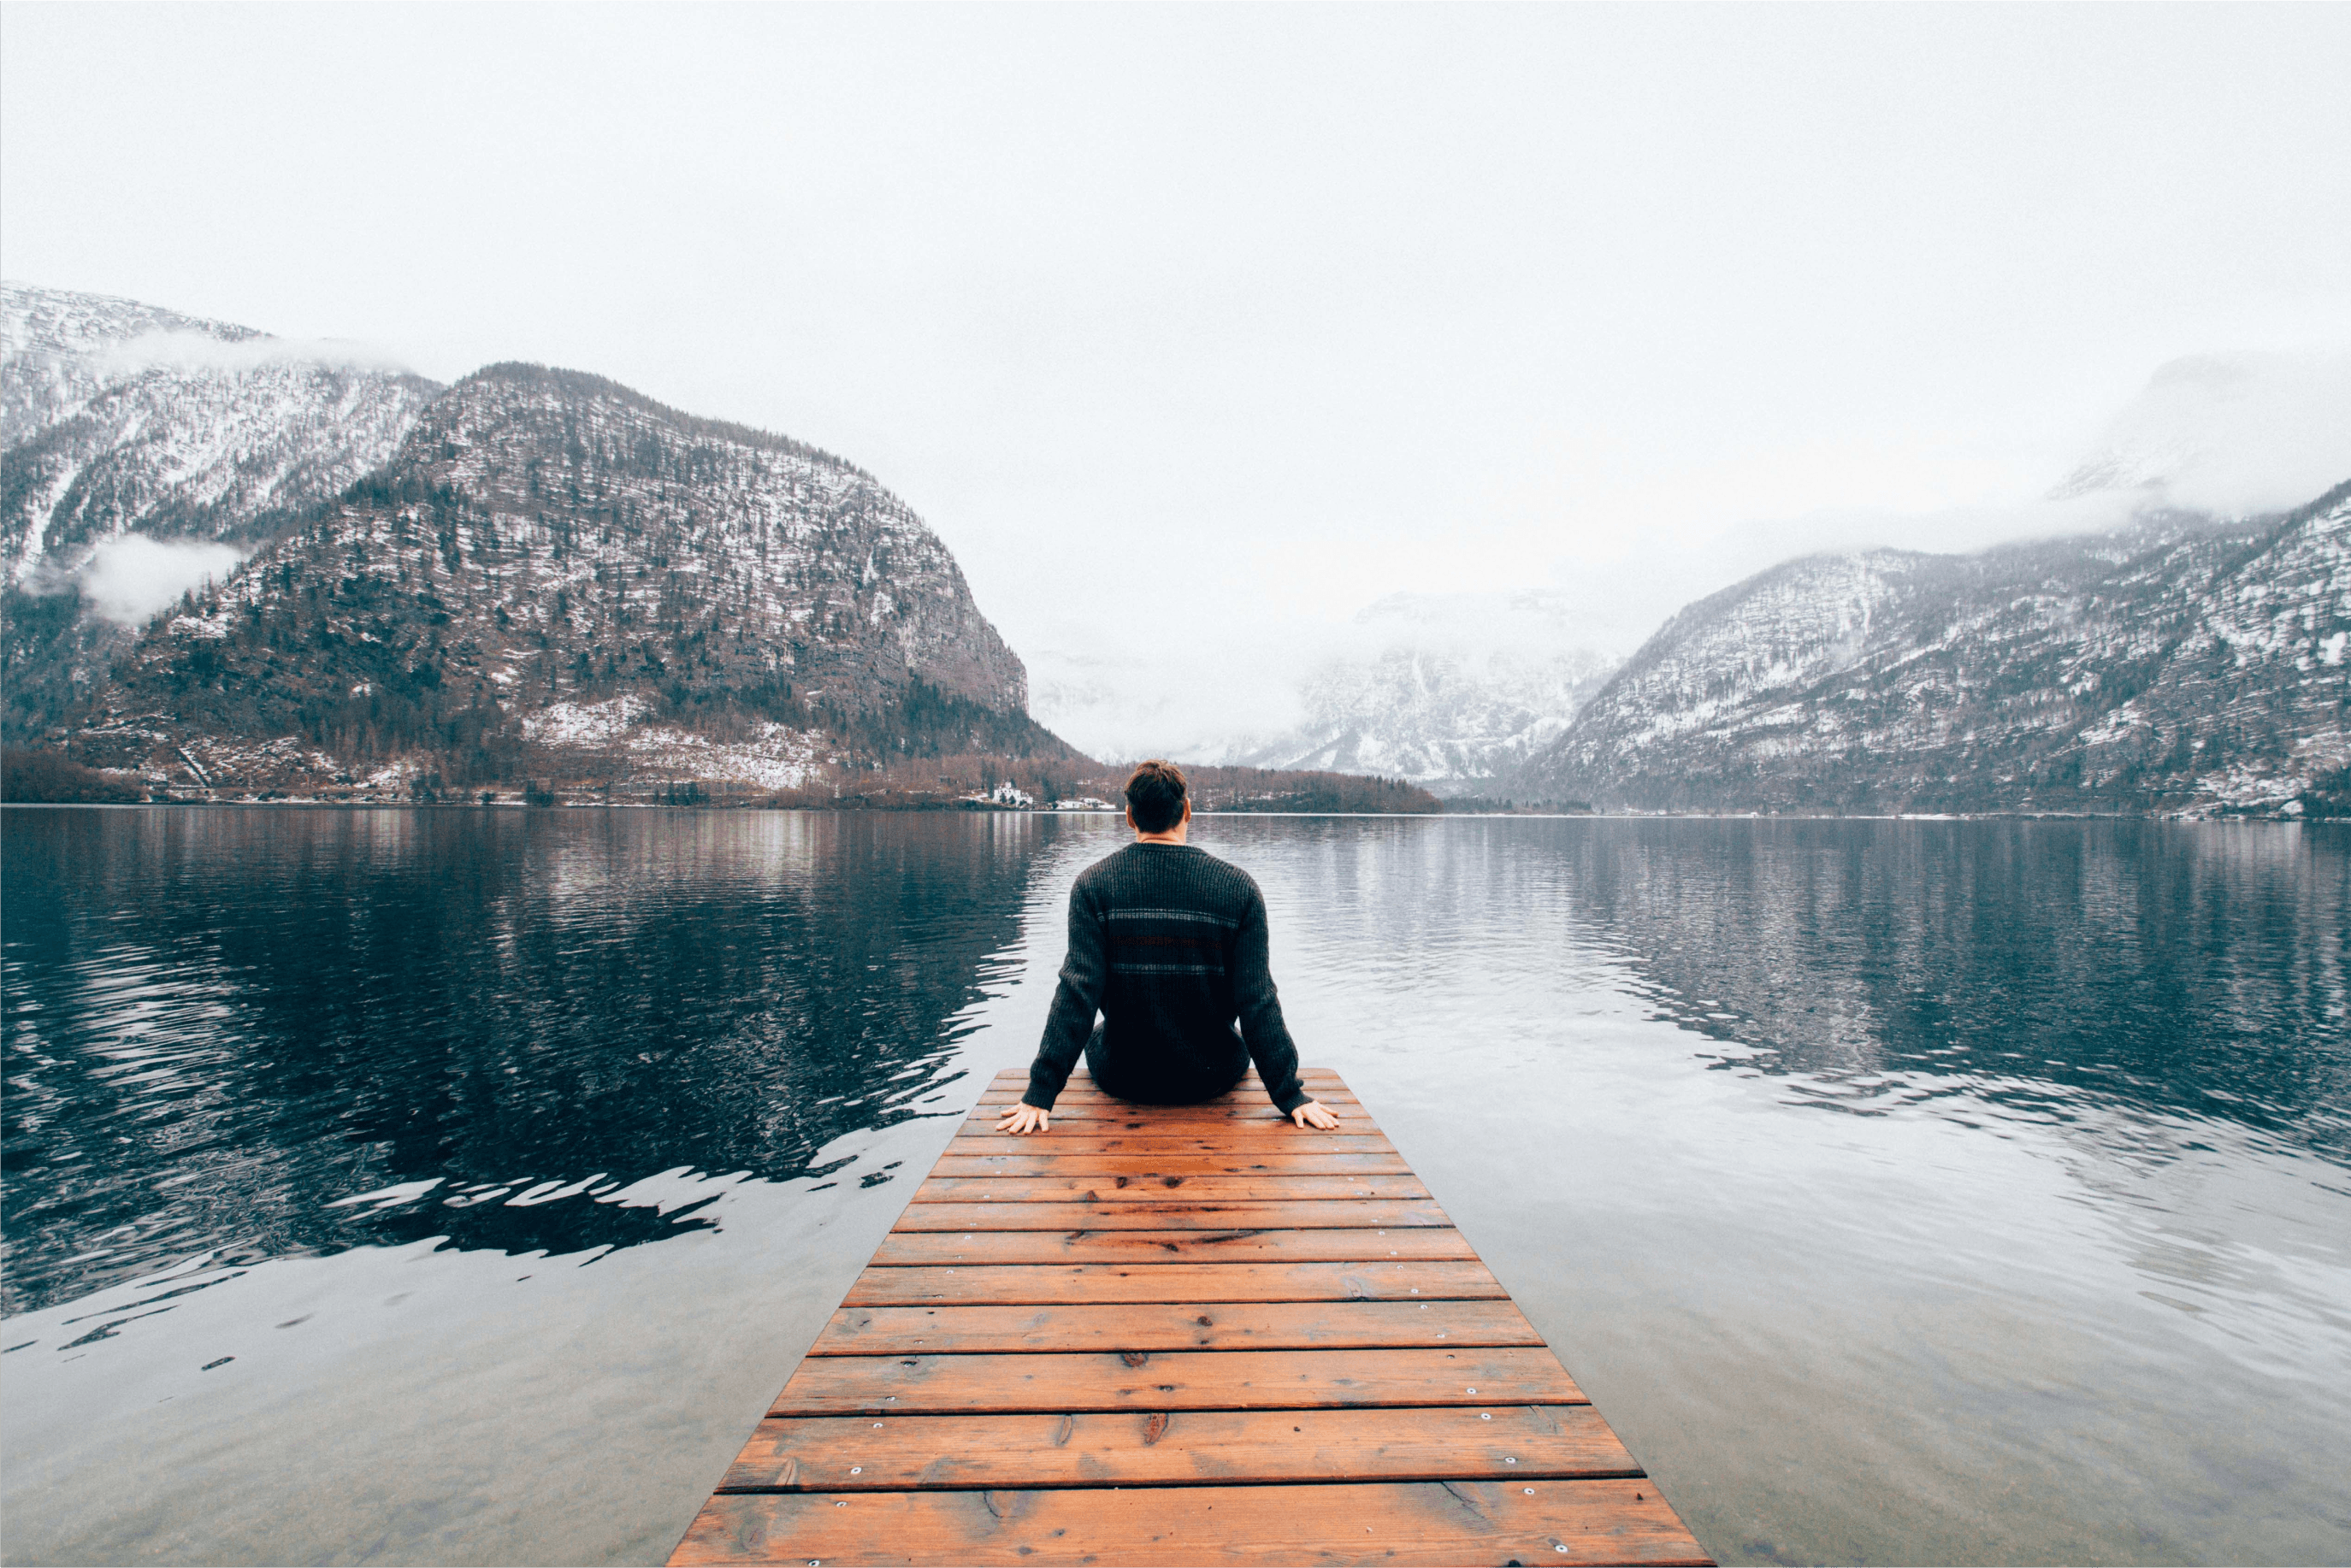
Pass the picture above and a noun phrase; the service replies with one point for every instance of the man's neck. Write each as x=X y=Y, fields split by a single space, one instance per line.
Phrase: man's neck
x=1173 y=835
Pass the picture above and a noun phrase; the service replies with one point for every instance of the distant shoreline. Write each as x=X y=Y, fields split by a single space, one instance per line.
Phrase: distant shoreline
x=2271 y=819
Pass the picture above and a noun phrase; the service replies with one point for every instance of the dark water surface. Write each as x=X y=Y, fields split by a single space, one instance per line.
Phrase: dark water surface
x=455 y=1186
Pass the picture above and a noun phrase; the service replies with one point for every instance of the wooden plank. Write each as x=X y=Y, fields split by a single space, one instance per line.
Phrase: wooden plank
x=1159 y=1188
x=1043 y=1159
x=1246 y=1090
x=1115 y=1327
x=1274 y=1137
x=1172 y=1215
x=1180 y=1335
x=1238 y=1103
x=1396 y=1524
x=1166 y=1121
x=1175 y=1380
x=900 y=1248
x=852 y=1453
x=1018 y=1284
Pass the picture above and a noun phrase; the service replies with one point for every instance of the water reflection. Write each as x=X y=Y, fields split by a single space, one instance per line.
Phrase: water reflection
x=2040 y=968
x=520 y=1031
x=1886 y=1183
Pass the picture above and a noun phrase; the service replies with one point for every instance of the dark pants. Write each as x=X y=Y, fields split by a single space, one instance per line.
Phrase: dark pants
x=1150 y=1084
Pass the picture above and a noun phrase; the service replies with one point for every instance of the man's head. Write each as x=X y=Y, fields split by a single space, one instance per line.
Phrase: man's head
x=1155 y=796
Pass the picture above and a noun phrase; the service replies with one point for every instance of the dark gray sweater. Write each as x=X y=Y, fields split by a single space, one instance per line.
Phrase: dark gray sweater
x=1169 y=943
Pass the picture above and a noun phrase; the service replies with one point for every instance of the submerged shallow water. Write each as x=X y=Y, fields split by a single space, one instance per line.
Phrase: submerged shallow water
x=457 y=1186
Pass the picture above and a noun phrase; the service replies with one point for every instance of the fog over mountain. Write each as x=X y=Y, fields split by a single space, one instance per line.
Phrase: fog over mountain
x=2182 y=662
x=230 y=555
x=144 y=452
x=2178 y=645
x=1449 y=690
x=1466 y=692
x=234 y=562
x=2229 y=434
x=118 y=417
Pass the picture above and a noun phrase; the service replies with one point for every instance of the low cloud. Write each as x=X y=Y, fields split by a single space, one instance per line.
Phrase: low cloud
x=2240 y=432
x=131 y=578
x=202 y=351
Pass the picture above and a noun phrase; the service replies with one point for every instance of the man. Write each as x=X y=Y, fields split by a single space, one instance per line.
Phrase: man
x=1169 y=943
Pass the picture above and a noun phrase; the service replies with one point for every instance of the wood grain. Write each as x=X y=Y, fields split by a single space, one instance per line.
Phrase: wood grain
x=1396 y=1524
x=1163 y=1121
x=1198 y=1325
x=1144 y=1167
x=1122 y=1188
x=853 y=1453
x=1272 y=1137
x=1017 y=1284
x=1174 y=1214
x=1175 y=1380
x=1248 y=1092
x=900 y=1248
x=1174 y=1335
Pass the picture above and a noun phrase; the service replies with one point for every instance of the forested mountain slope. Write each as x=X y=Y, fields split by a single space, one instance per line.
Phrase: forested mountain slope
x=2182 y=663
x=558 y=575
x=118 y=417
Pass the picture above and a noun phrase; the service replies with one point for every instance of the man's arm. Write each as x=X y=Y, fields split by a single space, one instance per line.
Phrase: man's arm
x=1260 y=1007
x=1075 y=1002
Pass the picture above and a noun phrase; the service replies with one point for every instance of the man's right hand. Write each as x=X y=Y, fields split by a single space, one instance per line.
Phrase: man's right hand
x=1314 y=1113
x=1024 y=1118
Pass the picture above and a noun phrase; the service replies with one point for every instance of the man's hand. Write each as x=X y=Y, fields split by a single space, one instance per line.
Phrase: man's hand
x=1022 y=1119
x=1316 y=1114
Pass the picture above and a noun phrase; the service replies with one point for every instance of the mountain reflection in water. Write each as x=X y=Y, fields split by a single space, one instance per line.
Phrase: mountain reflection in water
x=222 y=1022
x=1902 y=1191
x=2033 y=965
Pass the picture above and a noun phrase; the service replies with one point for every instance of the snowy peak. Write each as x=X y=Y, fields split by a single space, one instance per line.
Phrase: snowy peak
x=1446 y=689
x=2233 y=434
x=2183 y=662
x=821 y=554
x=58 y=348
x=123 y=419
x=233 y=556
x=557 y=577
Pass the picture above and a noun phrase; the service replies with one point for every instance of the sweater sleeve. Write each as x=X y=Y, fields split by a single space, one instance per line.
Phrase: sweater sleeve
x=1075 y=1000
x=1260 y=1007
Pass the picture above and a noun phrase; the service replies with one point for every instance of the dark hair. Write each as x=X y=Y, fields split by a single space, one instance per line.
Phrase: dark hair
x=1154 y=795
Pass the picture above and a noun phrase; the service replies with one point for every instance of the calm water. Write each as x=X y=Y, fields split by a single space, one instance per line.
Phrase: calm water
x=456 y=1186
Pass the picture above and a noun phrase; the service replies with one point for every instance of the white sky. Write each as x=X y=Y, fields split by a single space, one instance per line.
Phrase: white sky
x=1241 y=318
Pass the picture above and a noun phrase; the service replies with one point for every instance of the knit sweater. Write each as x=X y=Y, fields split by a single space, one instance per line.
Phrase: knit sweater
x=1169 y=942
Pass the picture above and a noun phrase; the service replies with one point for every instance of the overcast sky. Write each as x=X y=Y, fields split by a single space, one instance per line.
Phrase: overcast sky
x=1243 y=318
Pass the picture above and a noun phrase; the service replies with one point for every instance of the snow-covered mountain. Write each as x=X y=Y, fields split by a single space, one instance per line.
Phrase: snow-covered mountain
x=1449 y=690
x=117 y=417
x=2183 y=661
x=2235 y=434
x=557 y=576
x=142 y=452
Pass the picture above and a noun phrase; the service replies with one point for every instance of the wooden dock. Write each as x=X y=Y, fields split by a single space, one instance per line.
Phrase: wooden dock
x=1178 y=1335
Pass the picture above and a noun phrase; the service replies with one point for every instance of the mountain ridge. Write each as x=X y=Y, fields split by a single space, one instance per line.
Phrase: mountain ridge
x=533 y=572
x=558 y=575
x=2046 y=675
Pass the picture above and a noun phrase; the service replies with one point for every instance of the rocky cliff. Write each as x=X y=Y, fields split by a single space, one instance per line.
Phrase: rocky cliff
x=143 y=451
x=555 y=574
x=2182 y=663
x=118 y=417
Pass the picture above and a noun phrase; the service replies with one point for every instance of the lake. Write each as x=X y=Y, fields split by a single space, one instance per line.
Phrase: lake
x=458 y=1185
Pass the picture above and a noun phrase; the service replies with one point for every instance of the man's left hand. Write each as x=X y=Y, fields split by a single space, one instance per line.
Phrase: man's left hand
x=1316 y=1114
x=1024 y=1118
